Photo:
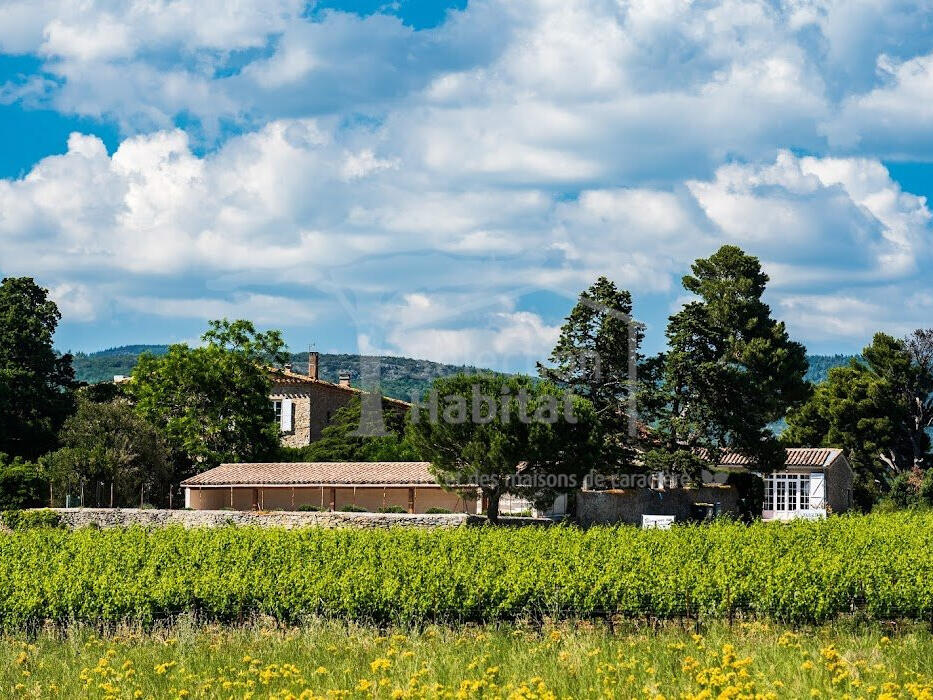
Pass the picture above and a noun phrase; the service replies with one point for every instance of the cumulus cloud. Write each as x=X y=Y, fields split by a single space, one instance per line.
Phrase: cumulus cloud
x=175 y=234
x=433 y=178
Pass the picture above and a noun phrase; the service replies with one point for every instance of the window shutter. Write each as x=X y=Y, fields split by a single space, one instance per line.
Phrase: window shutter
x=286 y=422
x=817 y=490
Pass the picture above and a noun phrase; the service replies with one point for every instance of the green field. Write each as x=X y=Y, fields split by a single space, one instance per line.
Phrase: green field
x=581 y=660
x=878 y=567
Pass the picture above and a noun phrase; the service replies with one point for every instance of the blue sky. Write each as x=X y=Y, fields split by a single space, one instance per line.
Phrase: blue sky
x=440 y=181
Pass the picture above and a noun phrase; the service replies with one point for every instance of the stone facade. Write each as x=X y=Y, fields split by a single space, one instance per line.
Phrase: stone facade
x=314 y=402
x=125 y=517
x=839 y=477
x=627 y=506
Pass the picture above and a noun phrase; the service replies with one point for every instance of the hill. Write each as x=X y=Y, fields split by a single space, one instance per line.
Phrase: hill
x=821 y=364
x=400 y=376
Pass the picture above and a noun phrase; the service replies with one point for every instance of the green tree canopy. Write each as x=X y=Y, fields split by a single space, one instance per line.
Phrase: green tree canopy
x=878 y=409
x=22 y=484
x=594 y=358
x=506 y=435
x=212 y=402
x=729 y=372
x=108 y=443
x=35 y=382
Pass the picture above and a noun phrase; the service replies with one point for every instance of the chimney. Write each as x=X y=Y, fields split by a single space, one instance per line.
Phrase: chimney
x=288 y=366
x=344 y=379
x=313 y=365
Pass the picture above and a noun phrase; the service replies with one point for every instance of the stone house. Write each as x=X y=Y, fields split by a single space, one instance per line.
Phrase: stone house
x=303 y=404
x=815 y=482
x=327 y=485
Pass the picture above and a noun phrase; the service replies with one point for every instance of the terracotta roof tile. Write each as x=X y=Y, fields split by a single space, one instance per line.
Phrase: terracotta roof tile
x=796 y=457
x=315 y=474
x=281 y=376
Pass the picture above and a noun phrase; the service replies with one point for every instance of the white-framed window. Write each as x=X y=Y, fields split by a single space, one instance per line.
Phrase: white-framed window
x=283 y=412
x=794 y=492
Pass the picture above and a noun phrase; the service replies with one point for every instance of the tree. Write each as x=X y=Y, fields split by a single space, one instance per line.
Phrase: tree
x=35 y=382
x=340 y=443
x=21 y=484
x=506 y=435
x=594 y=358
x=730 y=371
x=212 y=402
x=108 y=443
x=878 y=409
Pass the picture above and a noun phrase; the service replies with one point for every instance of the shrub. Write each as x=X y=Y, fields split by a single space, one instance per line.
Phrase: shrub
x=351 y=508
x=437 y=511
x=29 y=519
x=21 y=486
x=393 y=509
x=308 y=508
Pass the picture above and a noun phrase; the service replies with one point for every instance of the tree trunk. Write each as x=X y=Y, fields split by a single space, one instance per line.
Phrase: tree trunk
x=492 y=506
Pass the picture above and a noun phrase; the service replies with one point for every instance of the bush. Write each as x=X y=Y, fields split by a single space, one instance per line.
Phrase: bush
x=351 y=508
x=21 y=486
x=393 y=509
x=308 y=508
x=876 y=566
x=29 y=519
x=902 y=493
x=437 y=511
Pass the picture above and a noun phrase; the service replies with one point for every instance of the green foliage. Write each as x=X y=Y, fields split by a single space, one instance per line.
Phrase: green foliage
x=437 y=511
x=22 y=485
x=109 y=443
x=104 y=365
x=731 y=370
x=392 y=509
x=36 y=383
x=212 y=402
x=339 y=444
x=351 y=508
x=803 y=571
x=307 y=508
x=30 y=519
x=877 y=409
x=486 y=449
x=591 y=359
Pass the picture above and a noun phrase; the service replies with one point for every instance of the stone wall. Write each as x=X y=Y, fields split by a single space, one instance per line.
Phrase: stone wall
x=627 y=506
x=123 y=517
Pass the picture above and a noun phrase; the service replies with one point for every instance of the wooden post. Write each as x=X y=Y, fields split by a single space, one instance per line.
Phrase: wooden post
x=293 y=498
x=333 y=498
x=111 y=494
x=231 y=497
x=411 y=500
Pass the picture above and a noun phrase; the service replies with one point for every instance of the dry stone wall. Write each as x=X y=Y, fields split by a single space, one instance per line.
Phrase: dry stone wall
x=124 y=517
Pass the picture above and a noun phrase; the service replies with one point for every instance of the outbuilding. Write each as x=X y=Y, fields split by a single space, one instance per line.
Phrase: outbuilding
x=327 y=485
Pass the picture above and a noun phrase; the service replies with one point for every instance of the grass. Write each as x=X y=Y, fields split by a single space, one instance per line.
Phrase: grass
x=329 y=659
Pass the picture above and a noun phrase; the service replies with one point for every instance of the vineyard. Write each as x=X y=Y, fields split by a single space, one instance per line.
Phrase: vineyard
x=879 y=566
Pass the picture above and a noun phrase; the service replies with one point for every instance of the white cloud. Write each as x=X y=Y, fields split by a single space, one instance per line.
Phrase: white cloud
x=521 y=146
x=260 y=308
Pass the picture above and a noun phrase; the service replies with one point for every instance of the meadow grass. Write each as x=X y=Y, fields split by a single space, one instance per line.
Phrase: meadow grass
x=329 y=659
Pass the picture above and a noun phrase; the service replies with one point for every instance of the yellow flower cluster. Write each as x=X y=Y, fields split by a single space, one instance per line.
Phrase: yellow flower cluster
x=750 y=662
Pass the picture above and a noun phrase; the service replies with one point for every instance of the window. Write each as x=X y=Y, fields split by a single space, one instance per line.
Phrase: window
x=277 y=411
x=792 y=492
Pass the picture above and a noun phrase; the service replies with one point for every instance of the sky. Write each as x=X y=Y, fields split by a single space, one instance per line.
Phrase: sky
x=442 y=180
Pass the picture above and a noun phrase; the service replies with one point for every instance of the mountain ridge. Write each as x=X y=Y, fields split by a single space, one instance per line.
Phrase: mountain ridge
x=400 y=377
